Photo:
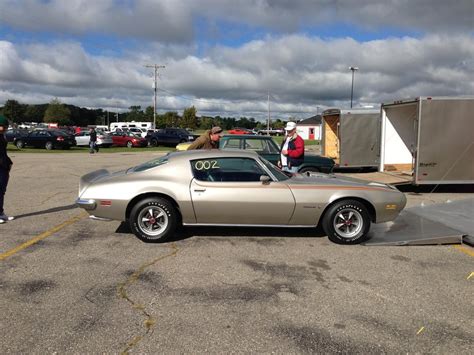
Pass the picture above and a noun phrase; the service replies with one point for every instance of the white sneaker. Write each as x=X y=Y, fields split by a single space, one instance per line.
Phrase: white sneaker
x=4 y=218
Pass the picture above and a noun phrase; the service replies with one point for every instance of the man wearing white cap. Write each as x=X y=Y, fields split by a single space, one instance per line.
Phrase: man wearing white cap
x=292 y=150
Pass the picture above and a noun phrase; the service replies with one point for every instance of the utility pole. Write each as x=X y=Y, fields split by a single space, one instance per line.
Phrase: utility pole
x=268 y=120
x=155 y=67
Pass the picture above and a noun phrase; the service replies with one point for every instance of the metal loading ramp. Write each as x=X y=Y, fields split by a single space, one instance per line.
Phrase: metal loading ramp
x=442 y=223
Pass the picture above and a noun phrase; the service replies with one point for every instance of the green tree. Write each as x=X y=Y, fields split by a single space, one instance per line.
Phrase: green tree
x=148 y=115
x=14 y=111
x=35 y=113
x=57 y=113
x=189 y=118
x=206 y=122
x=135 y=114
x=171 y=119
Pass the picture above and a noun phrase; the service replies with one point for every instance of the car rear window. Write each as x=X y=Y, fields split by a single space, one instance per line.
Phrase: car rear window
x=151 y=164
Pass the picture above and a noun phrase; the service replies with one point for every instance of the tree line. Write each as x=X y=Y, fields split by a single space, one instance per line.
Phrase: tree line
x=70 y=115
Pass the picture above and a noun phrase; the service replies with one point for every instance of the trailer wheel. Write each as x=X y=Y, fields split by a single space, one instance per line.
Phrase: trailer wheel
x=347 y=222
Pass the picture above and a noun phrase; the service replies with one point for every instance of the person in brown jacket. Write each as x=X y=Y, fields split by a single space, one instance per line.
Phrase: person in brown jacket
x=208 y=140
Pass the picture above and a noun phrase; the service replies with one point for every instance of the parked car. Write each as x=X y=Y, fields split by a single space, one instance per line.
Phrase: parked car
x=128 y=139
x=238 y=130
x=103 y=140
x=46 y=138
x=269 y=149
x=15 y=133
x=272 y=132
x=142 y=132
x=234 y=188
x=169 y=136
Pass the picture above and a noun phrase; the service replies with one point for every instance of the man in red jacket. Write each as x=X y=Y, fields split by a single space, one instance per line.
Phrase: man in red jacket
x=292 y=150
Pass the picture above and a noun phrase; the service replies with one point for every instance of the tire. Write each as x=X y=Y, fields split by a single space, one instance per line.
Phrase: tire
x=154 y=143
x=49 y=145
x=129 y=144
x=164 y=214
x=20 y=144
x=183 y=141
x=309 y=169
x=350 y=215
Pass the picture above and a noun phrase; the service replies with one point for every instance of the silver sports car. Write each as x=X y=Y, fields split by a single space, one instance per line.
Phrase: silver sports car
x=234 y=188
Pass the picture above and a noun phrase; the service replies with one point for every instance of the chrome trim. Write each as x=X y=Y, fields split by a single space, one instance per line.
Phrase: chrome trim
x=100 y=218
x=251 y=225
x=86 y=204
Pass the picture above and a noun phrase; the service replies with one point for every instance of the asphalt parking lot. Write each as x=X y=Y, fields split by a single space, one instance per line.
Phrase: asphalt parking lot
x=73 y=285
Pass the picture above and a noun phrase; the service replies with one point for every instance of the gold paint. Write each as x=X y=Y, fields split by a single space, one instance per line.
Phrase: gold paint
x=421 y=329
x=149 y=322
x=390 y=207
x=471 y=275
x=41 y=237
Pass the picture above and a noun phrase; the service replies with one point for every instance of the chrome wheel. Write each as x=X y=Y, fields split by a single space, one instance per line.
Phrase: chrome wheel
x=348 y=223
x=152 y=221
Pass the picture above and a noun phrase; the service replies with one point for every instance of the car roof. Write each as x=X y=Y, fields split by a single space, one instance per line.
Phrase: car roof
x=212 y=153
x=251 y=136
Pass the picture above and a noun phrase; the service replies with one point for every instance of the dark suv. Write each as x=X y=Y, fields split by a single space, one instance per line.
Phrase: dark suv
x=169 y=136
x=269 y=149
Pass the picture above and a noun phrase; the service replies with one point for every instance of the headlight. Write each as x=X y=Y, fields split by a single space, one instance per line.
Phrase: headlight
x=190 y=138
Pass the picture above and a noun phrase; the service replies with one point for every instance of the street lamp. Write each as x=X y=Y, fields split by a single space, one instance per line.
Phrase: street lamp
x=353 y=69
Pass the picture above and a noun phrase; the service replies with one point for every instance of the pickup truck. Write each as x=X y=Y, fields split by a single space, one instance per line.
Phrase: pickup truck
x=269 y=149
x=272 y=132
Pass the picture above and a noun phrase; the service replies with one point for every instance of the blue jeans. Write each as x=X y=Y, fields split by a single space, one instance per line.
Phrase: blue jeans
x=293 y=169
x=93 y=147
x=4 y=176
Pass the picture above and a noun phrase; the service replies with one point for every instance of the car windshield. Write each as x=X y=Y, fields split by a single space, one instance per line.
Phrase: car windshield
x=280 y=176
x=151 y=164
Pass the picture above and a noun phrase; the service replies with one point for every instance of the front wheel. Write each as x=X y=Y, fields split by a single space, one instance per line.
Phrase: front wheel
x=129 y=144
x=20 y=144
x=309 y=169
x=347 y=222
x=49 y=146
x=153 y=220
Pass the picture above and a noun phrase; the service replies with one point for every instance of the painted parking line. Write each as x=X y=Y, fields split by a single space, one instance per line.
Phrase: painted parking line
x=41 y=237
x=465 y=250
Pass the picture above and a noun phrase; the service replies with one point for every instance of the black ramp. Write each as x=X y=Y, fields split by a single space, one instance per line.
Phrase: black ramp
x=444 y=223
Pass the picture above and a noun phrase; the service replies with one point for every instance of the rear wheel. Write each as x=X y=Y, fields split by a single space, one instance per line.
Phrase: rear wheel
x=20 y=144
x=154 y=143
x=49 y=145
x=347 y=222
x=153 y=219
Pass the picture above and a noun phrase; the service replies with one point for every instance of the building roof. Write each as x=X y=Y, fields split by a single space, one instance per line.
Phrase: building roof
x=312 y=121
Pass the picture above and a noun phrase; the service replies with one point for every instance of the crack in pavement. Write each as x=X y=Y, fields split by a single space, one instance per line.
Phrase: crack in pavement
x=122 y=292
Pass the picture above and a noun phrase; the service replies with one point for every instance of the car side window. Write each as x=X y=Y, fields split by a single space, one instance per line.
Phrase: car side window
x=231 y=143
x=254 y=144
x=227 y=170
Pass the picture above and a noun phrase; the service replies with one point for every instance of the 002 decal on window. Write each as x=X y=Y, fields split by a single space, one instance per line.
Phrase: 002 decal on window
x=206 y=165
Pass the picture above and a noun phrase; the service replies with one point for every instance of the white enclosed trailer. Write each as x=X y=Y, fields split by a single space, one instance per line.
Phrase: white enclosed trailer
x=430 y=139
x=351 y=137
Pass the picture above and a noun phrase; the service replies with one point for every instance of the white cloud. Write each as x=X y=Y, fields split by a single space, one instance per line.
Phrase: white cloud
x=300 y=72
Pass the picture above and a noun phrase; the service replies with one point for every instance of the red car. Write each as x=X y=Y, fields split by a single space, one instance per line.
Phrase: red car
x=238 y=130
x=128 y=139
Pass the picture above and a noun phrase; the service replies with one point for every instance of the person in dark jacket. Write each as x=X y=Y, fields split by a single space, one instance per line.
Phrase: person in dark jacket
x=93 y=141
x=292 y=150
x=5 y=167
x=208 y=140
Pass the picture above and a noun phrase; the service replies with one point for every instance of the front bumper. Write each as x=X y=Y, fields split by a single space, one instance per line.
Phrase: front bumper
x=88 y=205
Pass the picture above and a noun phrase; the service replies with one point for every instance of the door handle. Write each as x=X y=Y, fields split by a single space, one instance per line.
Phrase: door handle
x=199 y=190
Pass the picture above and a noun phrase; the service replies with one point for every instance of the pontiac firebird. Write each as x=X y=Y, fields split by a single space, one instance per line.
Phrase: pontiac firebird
x=234 y=188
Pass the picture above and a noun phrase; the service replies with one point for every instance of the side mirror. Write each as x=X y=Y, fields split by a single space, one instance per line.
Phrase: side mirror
x=265 y=179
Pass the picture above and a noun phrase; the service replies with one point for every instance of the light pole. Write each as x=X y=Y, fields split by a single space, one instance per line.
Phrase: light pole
x=353 y=69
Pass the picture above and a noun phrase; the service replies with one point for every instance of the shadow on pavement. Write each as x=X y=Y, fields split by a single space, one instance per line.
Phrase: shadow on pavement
x=183 y=233
x=50 y=210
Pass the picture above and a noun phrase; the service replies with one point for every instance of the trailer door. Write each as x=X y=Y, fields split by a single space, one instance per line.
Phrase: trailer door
x=359 y=139
x=400 y=125
x=446 y=142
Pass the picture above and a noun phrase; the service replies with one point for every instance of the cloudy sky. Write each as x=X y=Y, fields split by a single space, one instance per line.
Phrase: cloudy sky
x=225 y=56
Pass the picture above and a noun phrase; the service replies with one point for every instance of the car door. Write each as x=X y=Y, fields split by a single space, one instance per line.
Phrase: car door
x=82 y=138
x=229 y=191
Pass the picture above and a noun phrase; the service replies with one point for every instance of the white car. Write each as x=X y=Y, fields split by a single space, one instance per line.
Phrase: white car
x=103 y=139
x=142 y=132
